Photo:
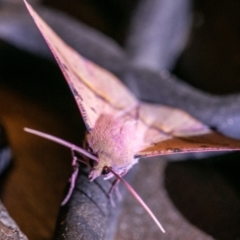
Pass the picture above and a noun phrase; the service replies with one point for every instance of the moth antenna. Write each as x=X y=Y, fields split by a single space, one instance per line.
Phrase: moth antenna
x=138 y=198
x=62 y=142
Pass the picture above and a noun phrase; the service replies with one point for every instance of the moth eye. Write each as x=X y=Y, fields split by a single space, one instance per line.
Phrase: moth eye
x=105 y=171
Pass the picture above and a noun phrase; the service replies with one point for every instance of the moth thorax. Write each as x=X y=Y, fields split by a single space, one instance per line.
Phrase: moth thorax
x=114 y=141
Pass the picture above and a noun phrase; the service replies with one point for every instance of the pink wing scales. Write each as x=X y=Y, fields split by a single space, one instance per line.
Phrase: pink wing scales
x=95 y=90
x=165 y=130
x=169 y=130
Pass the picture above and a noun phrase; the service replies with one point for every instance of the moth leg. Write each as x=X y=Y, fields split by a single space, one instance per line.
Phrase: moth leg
x=86 y=159
x=72 y=180
x=117 y=191
x=115 y=187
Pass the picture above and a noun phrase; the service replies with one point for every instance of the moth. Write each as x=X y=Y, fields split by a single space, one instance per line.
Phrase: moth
x=120 y=128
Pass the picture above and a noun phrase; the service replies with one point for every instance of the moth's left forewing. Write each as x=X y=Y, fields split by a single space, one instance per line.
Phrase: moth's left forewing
x=169 y=130
x=95 y=90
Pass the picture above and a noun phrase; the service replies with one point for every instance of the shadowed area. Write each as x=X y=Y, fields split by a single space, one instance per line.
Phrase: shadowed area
x=31 y=96
x=207 y=194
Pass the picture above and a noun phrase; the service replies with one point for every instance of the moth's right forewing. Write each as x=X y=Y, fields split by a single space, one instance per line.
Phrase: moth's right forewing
x=95 y=90
x=169 y=130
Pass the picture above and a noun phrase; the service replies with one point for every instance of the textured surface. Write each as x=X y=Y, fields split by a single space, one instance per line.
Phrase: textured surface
x=89 y=213
x=8 y=228
x=135 y=224
x=193 y=200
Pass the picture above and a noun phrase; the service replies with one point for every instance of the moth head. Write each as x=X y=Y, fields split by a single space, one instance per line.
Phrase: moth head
x=103 y=166
x=96 y=146
x=99 y=169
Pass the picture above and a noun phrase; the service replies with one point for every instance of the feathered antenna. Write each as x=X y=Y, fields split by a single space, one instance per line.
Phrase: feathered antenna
x=86 y=153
